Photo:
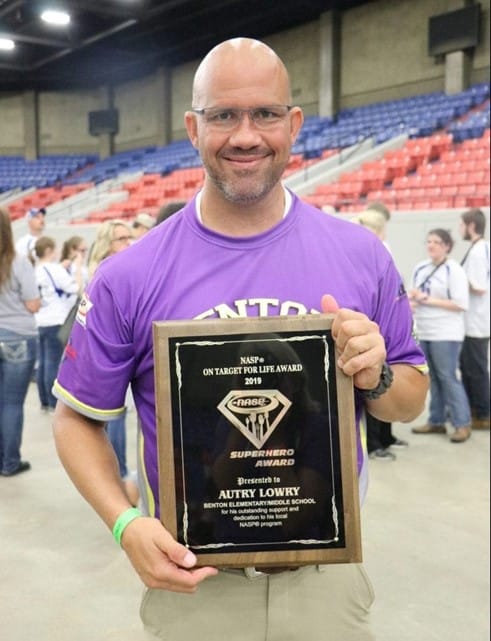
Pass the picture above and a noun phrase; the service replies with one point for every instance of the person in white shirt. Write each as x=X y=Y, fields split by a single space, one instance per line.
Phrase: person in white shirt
x=36 y=222
x=439 y=298
x=55 y=286
x=474 y=355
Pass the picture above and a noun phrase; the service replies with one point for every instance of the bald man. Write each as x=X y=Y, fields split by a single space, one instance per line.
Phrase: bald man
x=243 y=246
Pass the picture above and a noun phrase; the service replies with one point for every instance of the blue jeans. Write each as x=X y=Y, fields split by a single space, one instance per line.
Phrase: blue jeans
x=116 y=432
x=448 y=397
x=17 y=358
x=50 y=353
x=475 y=374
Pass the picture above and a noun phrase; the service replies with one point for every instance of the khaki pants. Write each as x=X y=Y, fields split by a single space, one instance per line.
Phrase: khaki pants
x=326 y=603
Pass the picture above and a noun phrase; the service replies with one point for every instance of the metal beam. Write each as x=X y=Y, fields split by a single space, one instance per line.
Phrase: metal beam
x=84 y=43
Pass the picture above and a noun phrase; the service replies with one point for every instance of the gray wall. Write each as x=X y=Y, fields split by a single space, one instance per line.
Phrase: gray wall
x=383 y=57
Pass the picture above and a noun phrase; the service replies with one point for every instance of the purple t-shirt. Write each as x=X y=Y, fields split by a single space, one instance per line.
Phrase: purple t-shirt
x=181 y=270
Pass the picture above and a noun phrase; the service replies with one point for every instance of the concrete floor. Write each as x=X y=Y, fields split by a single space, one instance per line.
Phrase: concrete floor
x=425 y=532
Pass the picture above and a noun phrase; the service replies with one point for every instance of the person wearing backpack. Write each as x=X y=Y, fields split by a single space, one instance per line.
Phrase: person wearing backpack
x=55 y=286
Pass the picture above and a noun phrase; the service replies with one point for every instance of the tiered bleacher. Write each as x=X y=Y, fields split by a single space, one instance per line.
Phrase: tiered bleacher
x=16 y=172
x=442 y=160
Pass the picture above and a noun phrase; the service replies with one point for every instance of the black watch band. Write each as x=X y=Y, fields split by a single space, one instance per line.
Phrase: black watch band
x=386 y=378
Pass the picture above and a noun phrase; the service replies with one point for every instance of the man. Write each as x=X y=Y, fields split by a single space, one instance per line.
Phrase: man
x=142 y=224
x=474 y=355
x=36 y=223
x=244 y=246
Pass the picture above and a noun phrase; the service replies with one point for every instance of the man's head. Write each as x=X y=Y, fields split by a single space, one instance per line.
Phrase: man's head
x=36 y=221
x=373 y=220
x=141 y=225
x=45 y=248
x=166 y=211
x=473 y=224
x=378 y=206
x=244 y=147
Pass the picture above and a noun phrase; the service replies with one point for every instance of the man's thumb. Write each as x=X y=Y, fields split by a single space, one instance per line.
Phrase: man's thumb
x=178 y=553
x=329 y=304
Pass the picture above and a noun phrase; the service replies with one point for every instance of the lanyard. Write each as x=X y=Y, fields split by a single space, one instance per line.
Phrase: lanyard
x=421 y=285
x=466 y=255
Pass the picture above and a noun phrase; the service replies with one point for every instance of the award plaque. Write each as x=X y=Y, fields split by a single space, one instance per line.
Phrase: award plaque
x=256 y=442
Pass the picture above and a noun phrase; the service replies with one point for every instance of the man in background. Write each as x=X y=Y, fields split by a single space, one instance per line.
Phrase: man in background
x=36 y=223
x=474 y=355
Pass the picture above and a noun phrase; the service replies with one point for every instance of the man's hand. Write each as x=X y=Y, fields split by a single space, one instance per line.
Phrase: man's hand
x=161 y=562
x=359 y=344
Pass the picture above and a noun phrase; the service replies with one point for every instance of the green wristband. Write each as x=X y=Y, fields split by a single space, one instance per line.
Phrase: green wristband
x=123 y=521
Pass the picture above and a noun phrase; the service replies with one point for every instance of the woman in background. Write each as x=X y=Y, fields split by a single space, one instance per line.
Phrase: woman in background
x=439 y=298
x=19 y=301
x=73 y=258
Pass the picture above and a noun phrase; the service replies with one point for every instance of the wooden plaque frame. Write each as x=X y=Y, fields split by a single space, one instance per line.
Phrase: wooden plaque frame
x=178 y=347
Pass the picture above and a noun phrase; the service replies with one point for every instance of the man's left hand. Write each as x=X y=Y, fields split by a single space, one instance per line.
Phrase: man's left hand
x=359 y=344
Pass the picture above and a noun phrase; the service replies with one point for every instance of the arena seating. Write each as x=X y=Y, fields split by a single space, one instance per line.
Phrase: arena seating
x=443 y=170
x=46 y=171
x=44 y=198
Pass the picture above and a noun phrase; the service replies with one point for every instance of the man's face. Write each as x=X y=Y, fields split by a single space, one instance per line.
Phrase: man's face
x=37 y=224
x=244 y=163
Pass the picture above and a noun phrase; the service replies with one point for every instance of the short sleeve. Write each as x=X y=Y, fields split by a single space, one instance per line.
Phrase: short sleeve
x=98 y=362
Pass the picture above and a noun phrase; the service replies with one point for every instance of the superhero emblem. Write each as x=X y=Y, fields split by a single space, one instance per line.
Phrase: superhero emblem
x=255 y=413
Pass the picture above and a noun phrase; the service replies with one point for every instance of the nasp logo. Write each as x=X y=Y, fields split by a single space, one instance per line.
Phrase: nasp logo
x=255 y=413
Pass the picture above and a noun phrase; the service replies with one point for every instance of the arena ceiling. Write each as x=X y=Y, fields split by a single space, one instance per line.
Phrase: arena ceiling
x=110 y=41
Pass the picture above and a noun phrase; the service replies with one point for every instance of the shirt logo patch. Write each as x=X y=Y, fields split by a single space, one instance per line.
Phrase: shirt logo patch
x=83 y=309
x=402 y=292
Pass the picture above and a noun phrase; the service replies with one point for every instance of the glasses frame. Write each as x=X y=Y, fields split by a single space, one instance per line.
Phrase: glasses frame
x=230 y=126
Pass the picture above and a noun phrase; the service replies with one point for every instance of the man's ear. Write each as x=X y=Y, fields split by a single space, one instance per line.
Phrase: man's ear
x=296 y=122
x=191 y=123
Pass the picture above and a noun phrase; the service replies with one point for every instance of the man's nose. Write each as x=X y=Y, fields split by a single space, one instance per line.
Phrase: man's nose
x=245 y=132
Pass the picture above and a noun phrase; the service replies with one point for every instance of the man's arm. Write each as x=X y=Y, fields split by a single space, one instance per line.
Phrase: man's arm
x=405 y=399
x=91 y=463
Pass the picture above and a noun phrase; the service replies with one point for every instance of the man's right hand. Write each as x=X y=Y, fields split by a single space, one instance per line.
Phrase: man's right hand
x=161 y=562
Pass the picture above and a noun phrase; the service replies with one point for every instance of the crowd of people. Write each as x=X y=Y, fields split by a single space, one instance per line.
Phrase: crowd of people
x=244 y=238
x=450 y=302
x=451 y=311
x=40 y=285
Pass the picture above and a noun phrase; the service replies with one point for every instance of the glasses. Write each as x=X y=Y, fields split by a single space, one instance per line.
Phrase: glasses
x=228 y=118
x=122 y=239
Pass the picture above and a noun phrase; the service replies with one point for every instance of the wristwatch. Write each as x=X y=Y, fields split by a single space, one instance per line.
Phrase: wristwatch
x=386 y=378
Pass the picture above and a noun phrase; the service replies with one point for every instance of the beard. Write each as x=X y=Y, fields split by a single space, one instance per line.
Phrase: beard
x=244 y=187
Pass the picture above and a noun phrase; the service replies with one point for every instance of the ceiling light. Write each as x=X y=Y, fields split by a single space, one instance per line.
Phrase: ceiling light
x=53 y=16
x=6 y=44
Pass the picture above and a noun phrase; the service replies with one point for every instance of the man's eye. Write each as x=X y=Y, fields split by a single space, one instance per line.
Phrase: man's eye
x=265 y=114
x=225 y=115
